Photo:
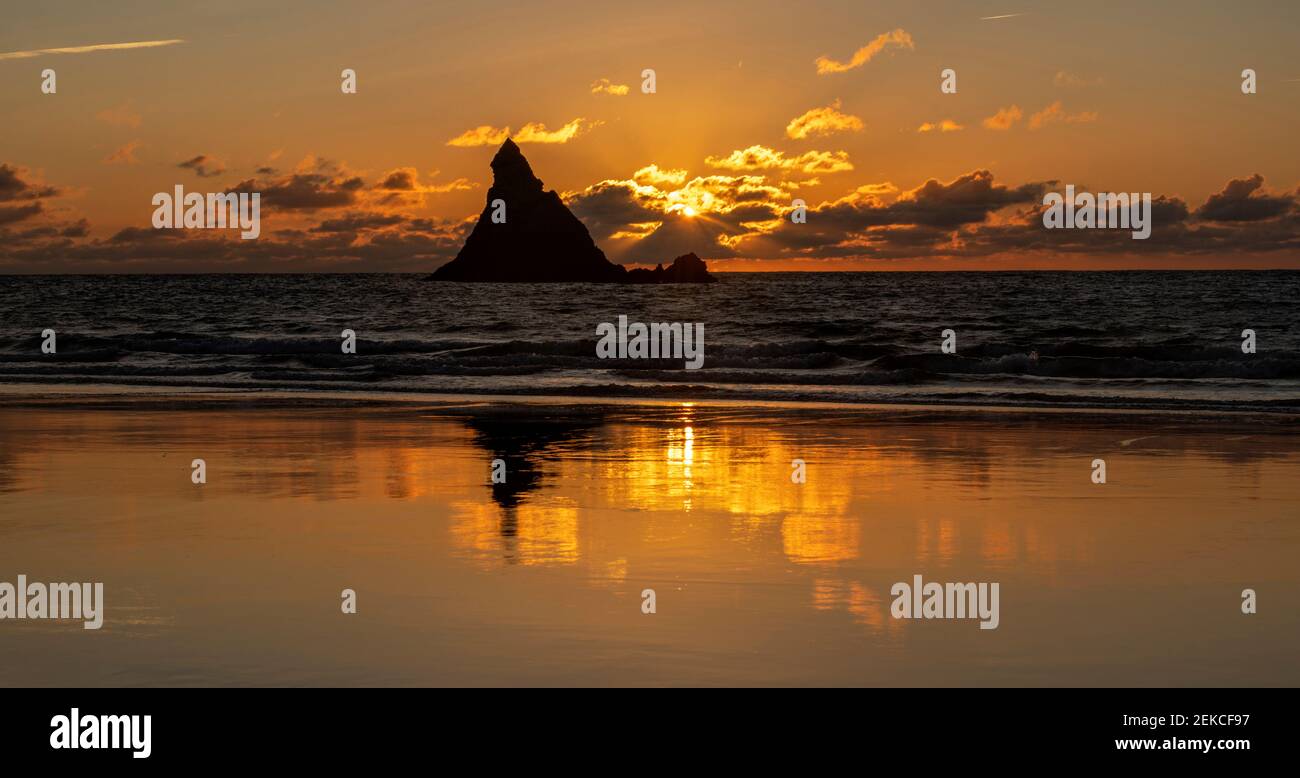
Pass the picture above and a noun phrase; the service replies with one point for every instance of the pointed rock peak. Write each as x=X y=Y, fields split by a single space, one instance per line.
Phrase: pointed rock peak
x=510 y=169
x=508 y=149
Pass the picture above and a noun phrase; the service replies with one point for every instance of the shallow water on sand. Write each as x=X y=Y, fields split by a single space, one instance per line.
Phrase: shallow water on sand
x=758 y=580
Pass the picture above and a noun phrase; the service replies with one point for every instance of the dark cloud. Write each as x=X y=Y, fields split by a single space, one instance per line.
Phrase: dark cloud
x=138 y=249
x=144 y=234
x=366 y=236
x=21 y=198
x=610 y=207
x=973 y=217
x=402 y=188
x=964 y=200
x=78 y=229
x=204 y=166
x=401 y=179
x=355 y=222
x=304 y=191
x=920 y=222
x=1175 y=231
x=16 y=213
x=13 y=186
x=1238 y=202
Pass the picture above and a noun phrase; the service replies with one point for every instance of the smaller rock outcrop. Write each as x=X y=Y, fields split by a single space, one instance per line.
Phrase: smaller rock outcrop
x=686 y=269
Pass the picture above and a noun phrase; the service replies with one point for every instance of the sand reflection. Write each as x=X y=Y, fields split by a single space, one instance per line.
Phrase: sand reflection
x=694 y=501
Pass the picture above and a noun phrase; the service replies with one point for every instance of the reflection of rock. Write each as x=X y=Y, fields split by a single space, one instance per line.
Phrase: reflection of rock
x=541 y=240
x=521 y=440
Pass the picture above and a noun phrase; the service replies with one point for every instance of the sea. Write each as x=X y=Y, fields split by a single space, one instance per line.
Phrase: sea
x=1130 y=339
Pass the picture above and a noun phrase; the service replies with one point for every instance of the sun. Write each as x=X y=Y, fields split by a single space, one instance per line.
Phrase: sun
x=690 y=212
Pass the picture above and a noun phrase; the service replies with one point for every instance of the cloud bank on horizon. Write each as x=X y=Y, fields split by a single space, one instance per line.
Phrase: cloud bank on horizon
x=334 y=219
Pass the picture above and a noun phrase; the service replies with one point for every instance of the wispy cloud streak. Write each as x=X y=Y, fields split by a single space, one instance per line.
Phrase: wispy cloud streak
x=91 y=48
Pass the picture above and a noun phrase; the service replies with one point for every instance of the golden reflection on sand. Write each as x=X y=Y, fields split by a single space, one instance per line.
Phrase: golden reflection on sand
x=544 y=532
x=697 y=503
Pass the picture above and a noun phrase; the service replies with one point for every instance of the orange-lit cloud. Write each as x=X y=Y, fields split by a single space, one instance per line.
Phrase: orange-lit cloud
x=945 y=125
x=1004 y=118
x=603 y=86
x=898 y=39
x=124 y=154
x=659 y=214
x=747 y=216
x=533 y=132
x=759 y=157
x=458 y=185
x=653 y=175
x=90 y=48
x=877 y=190
x=482 y=135
x=1056 y=113
x=822 y=121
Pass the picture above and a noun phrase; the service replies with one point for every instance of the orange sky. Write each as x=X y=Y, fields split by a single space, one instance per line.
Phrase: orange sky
x=756 y=104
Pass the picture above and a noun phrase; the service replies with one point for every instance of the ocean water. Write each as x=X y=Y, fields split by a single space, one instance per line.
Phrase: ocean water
x=1113 y=339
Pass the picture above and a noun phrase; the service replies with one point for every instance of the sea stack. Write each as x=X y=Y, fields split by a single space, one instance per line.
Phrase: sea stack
x=686 y=269
x=540 y=240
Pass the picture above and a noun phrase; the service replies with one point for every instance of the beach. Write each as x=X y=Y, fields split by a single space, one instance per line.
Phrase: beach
x=540 y=580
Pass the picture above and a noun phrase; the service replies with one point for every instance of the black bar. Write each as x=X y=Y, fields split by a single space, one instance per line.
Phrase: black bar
x=545 y=729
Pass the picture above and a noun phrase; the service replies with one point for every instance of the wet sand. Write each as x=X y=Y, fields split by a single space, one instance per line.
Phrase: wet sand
x=758 y=580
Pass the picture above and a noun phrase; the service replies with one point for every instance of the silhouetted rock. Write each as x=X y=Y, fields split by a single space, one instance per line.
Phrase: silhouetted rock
x=541 y=240
x=686 y=269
